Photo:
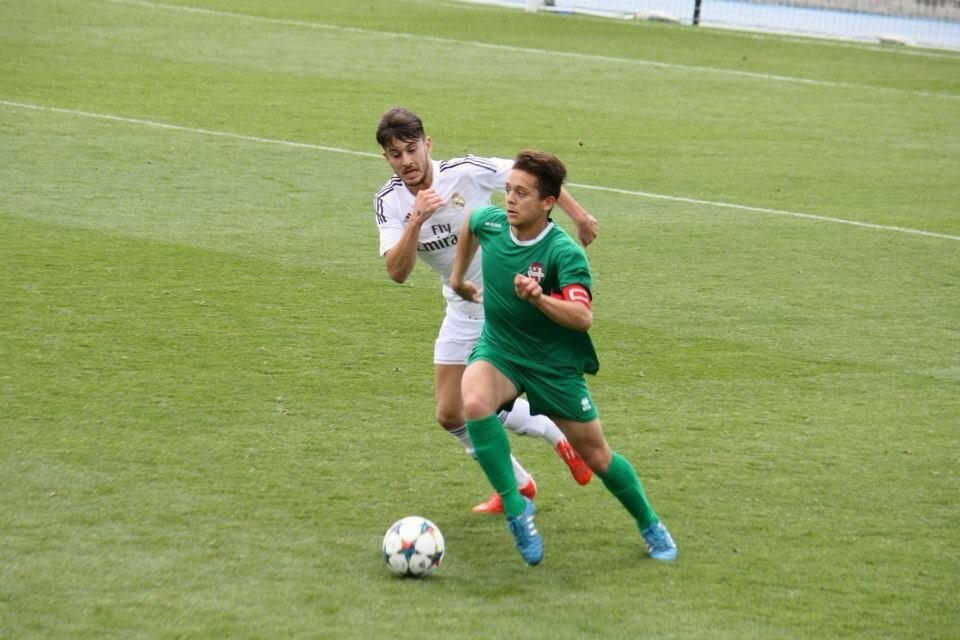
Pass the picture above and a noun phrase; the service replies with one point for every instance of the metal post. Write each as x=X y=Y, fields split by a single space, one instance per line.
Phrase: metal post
x=696 y=12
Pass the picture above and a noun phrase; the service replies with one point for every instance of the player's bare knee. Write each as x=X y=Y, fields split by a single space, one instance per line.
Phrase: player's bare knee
x=475 y=408
x=597 y=458
x=449 y=420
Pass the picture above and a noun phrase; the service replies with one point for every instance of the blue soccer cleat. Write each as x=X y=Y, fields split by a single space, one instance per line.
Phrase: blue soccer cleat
x=659 y=542
x=529 y=541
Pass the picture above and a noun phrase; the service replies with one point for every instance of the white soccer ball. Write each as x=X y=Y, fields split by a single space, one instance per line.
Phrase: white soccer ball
x=413 y=546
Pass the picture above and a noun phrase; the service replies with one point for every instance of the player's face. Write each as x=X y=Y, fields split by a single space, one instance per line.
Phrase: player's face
x=410 y=159
x=526 y=210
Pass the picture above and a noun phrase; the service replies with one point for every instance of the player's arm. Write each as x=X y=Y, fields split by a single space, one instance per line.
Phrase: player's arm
x=571 y=308
x=467 y=245
x=402 y=257
x=586 y=224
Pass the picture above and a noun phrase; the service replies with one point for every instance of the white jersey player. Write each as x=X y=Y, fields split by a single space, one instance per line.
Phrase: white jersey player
x=419 y=212
x=463 y=184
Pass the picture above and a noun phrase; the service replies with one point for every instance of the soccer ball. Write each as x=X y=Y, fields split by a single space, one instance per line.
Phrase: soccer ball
x=413 y=546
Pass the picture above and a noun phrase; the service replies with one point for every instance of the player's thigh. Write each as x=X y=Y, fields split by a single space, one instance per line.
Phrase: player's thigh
x=588 y=439
x=485 y=389
x=447 y=378
x=456 y=339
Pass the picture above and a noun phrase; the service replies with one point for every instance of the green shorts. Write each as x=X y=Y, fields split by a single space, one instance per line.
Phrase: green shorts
x=550 y=392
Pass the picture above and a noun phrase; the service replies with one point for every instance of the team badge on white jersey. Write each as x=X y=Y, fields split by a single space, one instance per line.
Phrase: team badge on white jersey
x=457 y=201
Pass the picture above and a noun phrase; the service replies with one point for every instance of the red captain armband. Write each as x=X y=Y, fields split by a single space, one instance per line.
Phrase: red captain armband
x=574 y=293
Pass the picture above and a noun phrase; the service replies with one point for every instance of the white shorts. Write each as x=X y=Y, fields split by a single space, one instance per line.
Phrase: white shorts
x=457 y=338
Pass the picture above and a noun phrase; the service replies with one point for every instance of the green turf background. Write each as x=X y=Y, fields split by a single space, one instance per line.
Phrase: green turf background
x=214 y=401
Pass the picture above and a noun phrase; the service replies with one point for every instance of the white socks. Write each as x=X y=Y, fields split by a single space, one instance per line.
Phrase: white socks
x=519 y=421
x=519 y=473
x=460 y=433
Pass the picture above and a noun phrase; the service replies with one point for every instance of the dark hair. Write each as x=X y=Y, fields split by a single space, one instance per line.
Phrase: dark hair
x=399 y=124
x=547 y=168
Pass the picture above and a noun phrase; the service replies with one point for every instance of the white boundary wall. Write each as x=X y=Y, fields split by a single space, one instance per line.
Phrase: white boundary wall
x=928 y=23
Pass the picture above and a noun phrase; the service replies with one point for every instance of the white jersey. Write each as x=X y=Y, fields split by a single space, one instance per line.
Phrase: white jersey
x=464 y=184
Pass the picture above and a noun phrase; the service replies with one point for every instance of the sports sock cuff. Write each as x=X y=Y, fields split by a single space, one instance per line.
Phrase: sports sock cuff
x=484 y=430
x=618 y=472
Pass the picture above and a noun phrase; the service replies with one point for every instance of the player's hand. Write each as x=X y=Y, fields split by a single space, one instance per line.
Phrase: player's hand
x=426 y=203
x=527 y=288
x=587 y=229
x=468 y=291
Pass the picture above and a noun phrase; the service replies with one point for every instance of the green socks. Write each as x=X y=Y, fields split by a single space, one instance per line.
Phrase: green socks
x=493 y=453
x=492 y=449
x=622 y=481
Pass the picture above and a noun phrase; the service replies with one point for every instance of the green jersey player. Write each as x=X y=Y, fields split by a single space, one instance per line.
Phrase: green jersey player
x=419 y=212
x=538 y=307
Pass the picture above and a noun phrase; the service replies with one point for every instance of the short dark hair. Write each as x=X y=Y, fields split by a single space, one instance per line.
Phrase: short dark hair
x=399 y=124
x=547 y=168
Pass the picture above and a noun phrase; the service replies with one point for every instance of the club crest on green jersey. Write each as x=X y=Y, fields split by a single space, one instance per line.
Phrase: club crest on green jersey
x=536 y=272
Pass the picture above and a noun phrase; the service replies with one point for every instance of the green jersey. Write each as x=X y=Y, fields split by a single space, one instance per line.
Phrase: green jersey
x=514 y=327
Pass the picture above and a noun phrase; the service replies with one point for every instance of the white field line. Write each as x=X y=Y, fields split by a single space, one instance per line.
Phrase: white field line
x=533 y=51
x=176 y=127
x=776 y=212
x=366 y=154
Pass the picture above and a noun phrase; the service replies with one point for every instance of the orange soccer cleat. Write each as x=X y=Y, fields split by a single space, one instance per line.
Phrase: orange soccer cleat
x=581 y=472
x=495 y=503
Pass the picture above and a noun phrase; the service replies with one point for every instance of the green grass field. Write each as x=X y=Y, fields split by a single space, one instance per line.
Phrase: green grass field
x=215 y=401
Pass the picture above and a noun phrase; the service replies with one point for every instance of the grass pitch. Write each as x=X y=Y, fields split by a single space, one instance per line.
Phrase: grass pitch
x=214 y=401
